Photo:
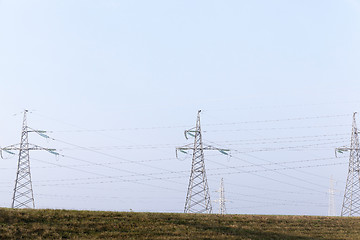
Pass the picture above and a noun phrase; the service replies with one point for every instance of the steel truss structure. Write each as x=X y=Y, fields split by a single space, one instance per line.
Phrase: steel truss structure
x=23 y=196
x=198 y=195
x=351 y=202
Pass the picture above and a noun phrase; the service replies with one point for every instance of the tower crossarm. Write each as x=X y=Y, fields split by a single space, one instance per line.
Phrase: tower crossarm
x=39 y=132
x=185 y=148
x=345 y=149
x=17 y=147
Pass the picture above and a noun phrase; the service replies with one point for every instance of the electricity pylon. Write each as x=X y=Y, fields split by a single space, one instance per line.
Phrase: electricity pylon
x=331 y=210
x=351 y=202
x=221 y=201
x=198 y=196
x=23 y=196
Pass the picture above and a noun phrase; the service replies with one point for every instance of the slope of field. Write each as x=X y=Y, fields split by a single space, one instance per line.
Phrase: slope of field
x=65 y=224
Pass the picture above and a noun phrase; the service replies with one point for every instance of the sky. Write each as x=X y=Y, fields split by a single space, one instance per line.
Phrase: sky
x=115 y=83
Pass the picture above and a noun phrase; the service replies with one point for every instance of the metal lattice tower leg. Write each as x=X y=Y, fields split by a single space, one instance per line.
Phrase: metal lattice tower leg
x=198 y=196
x=23 y=193
x=222 y=209
x=351 y=203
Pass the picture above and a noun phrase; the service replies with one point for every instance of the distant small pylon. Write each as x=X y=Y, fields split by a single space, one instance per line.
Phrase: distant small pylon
x=222 y=208
x=331 y=210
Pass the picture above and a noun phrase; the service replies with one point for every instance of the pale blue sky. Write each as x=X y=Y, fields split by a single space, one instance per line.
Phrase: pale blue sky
x=143 y=64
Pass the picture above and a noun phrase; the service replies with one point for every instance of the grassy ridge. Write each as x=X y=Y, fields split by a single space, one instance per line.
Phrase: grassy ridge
x=65 y=224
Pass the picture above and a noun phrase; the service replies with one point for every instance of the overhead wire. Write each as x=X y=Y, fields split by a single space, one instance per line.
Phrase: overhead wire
x=278 y=200
x=280 y=120
x=276 y=171
x=276 y=191
x=187 y=126
x=316 y=175
x=105 y=176
x=307 y=146
x=112 y=156
x=160 y=146
x=117 y=179
x=272 y=205
x=277 y=128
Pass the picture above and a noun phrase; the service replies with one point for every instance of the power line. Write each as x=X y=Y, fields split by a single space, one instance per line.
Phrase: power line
x=211 y=169
x=264 y=164
x=108 y=155
x=275 y=204
x=282 y=163
x=276 y=191
x=256 y=141
x=274 y=170
x=279 y=120
x=278 y=128
x=174 y=177
x=105 y=176
x=116 y=157
x=307 y=146
x=104 y=163
x=278 y=200
x=186 y=126
x=160 y=146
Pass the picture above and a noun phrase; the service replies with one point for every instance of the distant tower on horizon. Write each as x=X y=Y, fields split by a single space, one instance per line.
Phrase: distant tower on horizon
x=331 y=210
x=222 y=208
x=351 y=202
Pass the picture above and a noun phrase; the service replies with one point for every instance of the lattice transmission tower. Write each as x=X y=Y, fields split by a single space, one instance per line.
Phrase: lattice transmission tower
x=351 y=202
x=198 y=195
x=23 y=196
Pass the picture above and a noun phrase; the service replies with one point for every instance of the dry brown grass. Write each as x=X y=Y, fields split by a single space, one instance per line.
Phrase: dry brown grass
x=65 y=224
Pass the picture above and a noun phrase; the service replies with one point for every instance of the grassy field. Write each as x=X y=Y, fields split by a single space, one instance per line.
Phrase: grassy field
x=66 y=224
